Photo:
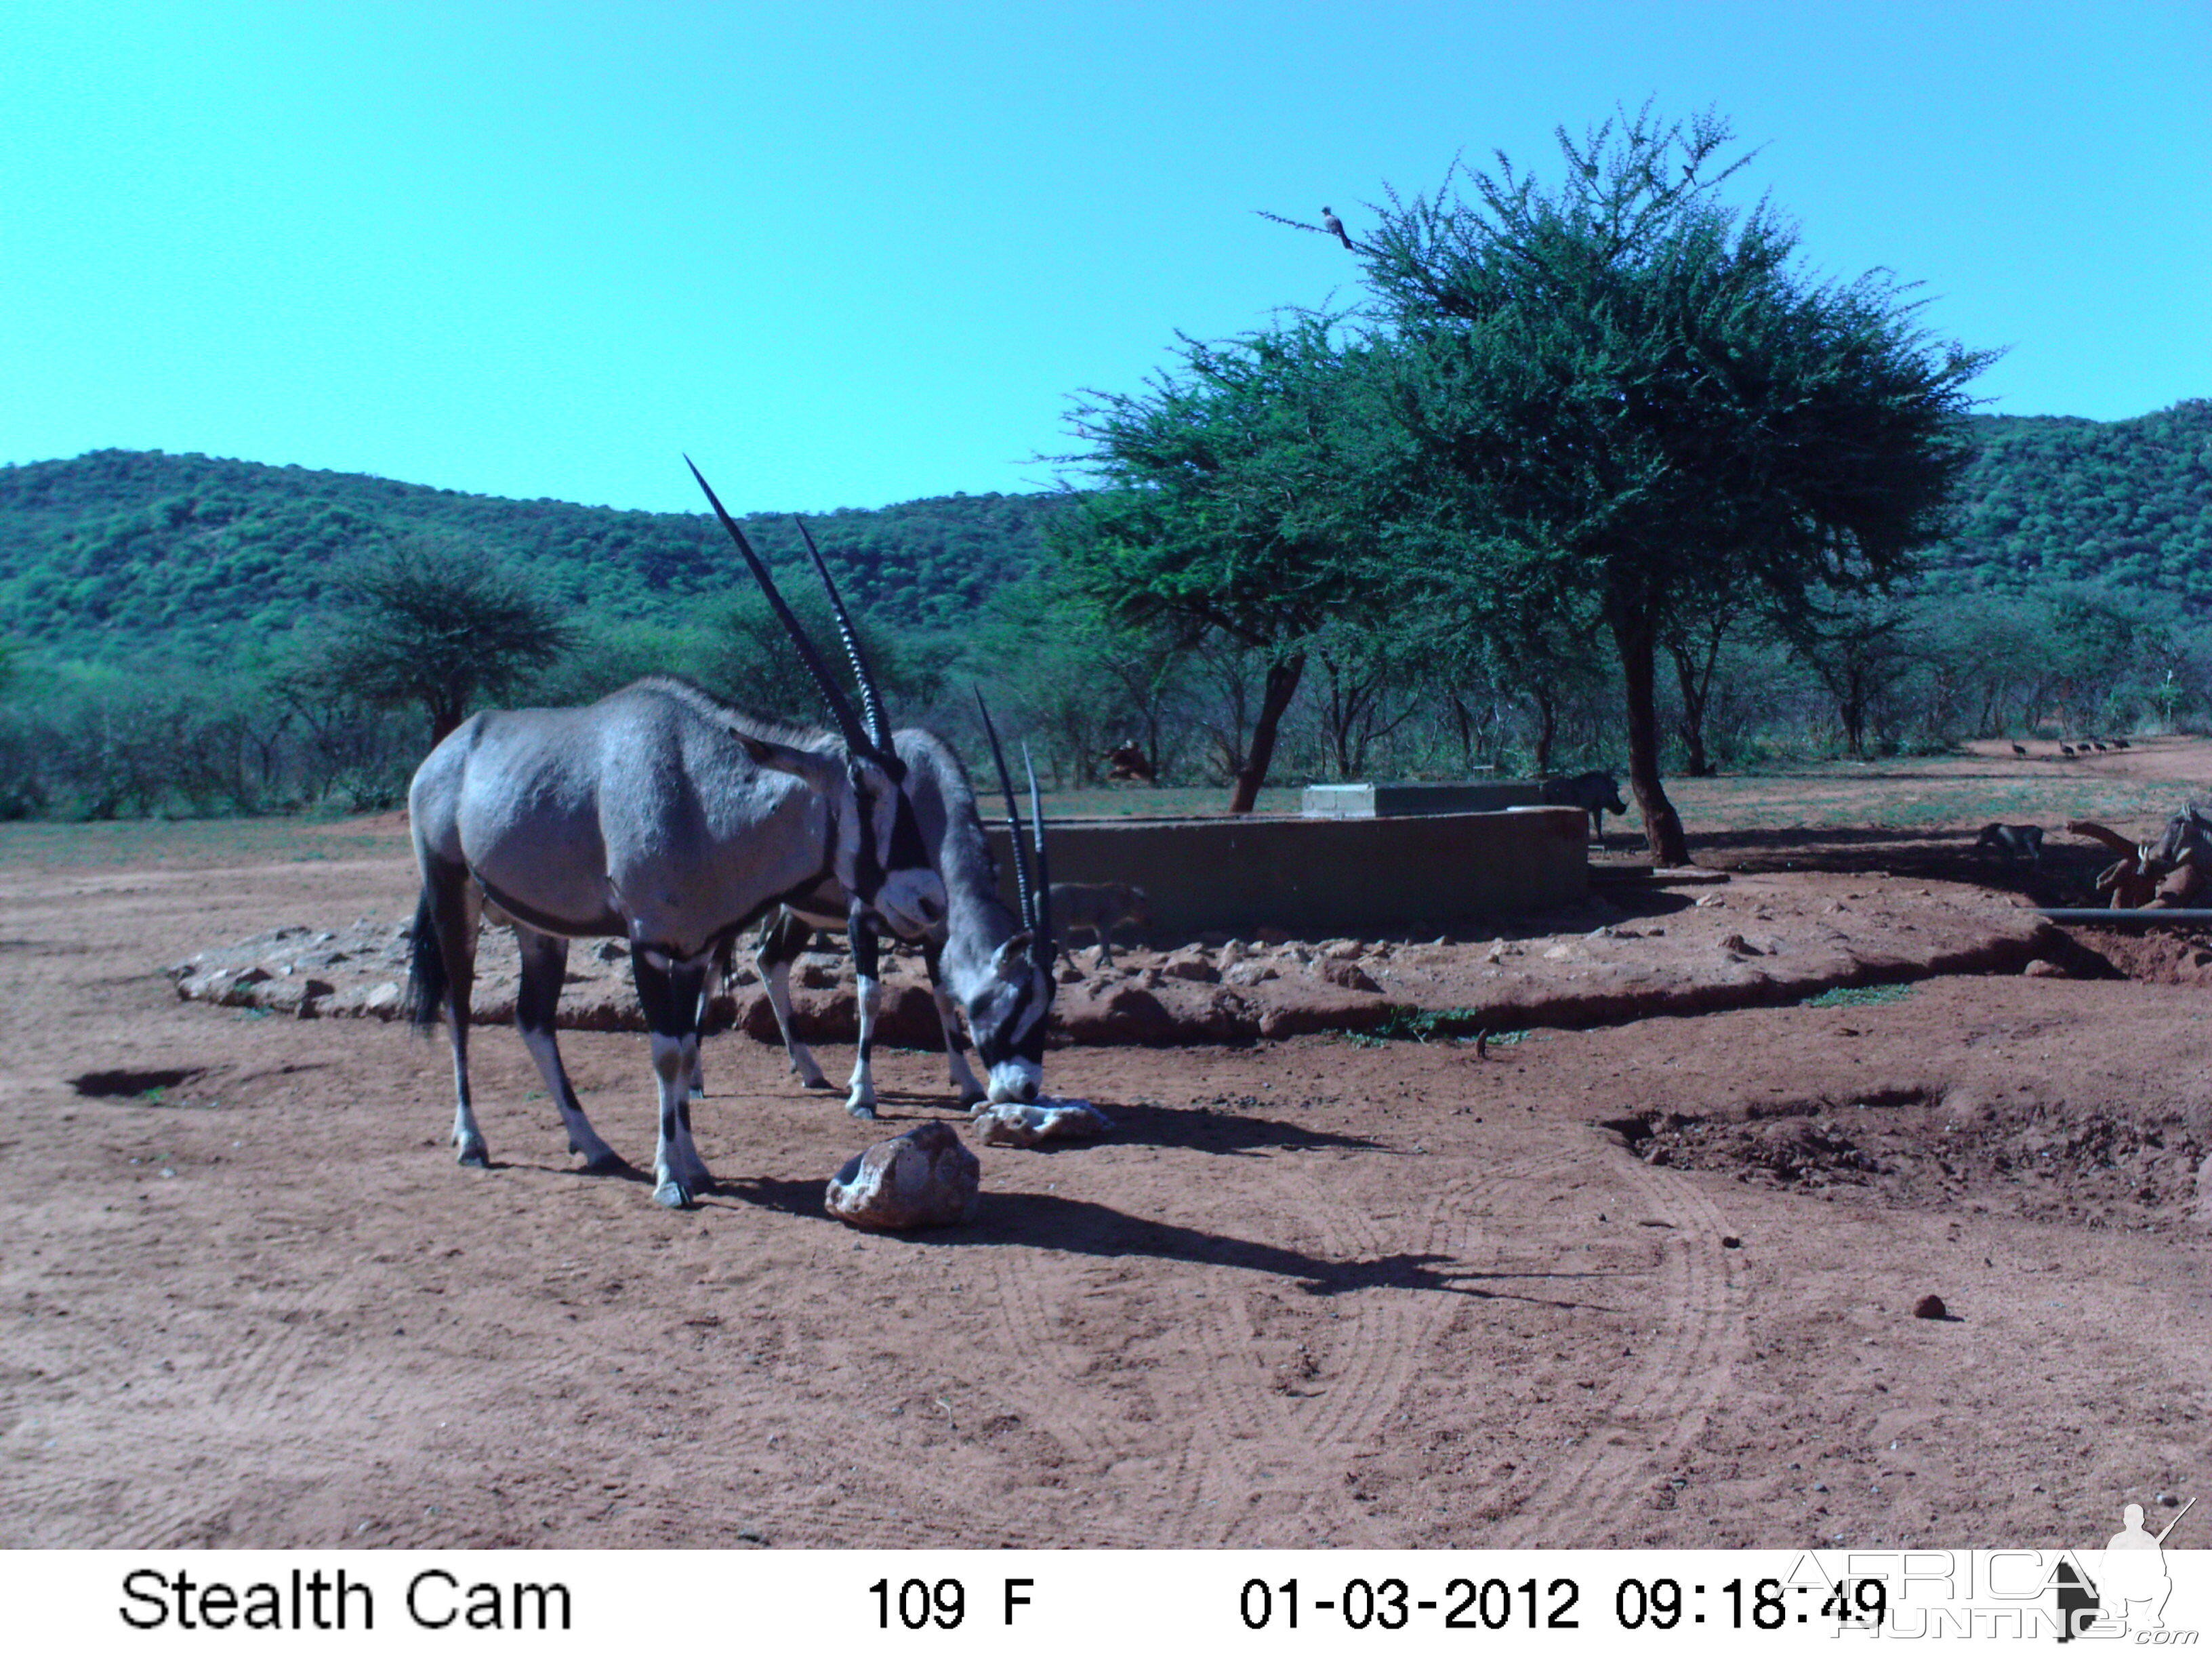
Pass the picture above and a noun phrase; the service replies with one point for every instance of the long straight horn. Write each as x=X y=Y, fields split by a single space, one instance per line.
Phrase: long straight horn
x=872 y=701
x=1013 y=821
x=848 y=724
x=1041 y=948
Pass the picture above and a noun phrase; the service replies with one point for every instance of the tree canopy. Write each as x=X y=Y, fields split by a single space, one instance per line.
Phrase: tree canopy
x=1620 y=393
x=1232 y=499
x=436 y=627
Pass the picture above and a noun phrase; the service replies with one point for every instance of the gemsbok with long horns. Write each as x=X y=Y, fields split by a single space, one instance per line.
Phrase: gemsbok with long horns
x=663 y=816
x=987 y=967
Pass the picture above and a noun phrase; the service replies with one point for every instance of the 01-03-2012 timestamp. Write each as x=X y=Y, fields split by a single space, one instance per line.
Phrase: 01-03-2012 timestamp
x=1496 y=1604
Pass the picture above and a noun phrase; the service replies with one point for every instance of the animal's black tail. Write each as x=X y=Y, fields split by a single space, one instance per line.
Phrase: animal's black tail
x=426 y=970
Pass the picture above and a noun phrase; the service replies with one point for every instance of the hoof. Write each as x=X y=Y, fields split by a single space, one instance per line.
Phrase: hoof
x=473 y=1154
x=976 y=1101
x=673 y=1193
x=863 y=1110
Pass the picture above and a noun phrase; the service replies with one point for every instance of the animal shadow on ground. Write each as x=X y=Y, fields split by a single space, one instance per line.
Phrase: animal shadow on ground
x=1209 y=1128
x=1079 y=1228
x=1082 y=1228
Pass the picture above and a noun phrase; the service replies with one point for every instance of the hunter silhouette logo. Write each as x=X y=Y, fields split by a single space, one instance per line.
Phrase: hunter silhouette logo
x=2130 y=1591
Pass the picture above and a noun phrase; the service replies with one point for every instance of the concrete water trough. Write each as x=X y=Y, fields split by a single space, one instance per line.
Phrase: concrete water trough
x=1401 y=800
x=1318 y=878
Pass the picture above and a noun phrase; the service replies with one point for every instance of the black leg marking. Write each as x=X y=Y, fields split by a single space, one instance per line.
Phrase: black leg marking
x=669 y=992
x=538 y=999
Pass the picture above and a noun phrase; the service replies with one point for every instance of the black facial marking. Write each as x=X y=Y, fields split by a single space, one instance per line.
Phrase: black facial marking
x=867 y=874
x=907 y=850
x=995 y=1038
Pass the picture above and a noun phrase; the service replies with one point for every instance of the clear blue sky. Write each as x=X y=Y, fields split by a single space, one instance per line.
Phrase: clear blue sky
x=852 y=255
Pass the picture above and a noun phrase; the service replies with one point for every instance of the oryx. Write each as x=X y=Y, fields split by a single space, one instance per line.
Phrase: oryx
x=661 y=816
x=986 y=966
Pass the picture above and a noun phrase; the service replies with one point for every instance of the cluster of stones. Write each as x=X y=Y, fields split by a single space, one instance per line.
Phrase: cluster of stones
x=302 y=973
x=1349 y=962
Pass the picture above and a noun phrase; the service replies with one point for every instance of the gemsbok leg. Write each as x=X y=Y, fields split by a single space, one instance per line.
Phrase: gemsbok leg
x=669 y=992
x=442 y=973
x=861 y=1101
x=780 y=942
x=971 y=1089
x=544 y=968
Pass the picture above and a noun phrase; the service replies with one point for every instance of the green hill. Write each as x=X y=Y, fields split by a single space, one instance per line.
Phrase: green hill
x=2051 y=499
x=107 y=554
x=101 y=554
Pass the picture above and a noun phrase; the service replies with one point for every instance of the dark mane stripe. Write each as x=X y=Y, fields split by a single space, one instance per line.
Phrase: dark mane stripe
x=744 y=719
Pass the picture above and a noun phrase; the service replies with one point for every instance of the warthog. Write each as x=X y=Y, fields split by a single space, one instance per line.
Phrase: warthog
x=1595 y=792
x=2015 y=841
x=1099 y=907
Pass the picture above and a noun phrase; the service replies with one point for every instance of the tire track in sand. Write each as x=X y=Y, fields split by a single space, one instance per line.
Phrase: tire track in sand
x=1658 y=1409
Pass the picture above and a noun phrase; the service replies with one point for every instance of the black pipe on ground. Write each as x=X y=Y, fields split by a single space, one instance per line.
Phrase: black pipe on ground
x=2149 y=918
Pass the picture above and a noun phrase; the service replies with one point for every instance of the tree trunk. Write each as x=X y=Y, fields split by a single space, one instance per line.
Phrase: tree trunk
x=1281 y=686
x=1852 y=708
x=447 y=715
x=1632 y=634
x=1547 y=728
x=1465 y=719
x=1697 y=684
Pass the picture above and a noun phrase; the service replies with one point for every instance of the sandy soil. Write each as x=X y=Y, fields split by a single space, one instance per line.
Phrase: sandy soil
x=1647 y=1281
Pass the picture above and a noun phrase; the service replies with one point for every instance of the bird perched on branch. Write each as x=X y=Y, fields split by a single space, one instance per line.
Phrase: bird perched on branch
x=1334 y=227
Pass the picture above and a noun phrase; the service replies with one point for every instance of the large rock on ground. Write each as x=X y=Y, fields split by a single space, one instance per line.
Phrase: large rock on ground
x=923 y=1178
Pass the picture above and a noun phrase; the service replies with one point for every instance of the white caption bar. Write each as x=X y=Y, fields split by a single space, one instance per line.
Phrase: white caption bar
x=994 y=1603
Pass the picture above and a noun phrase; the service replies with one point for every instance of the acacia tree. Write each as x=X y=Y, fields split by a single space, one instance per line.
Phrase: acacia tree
x=1230 y=502
x=1620 y=393
x=435 y=627
x=1861 y=648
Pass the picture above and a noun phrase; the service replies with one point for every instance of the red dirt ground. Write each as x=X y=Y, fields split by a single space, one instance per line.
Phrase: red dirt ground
x=1649 y=1282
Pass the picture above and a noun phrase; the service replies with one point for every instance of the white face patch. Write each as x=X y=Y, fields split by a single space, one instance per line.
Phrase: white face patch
x=912 y=901
x=1018 y=1080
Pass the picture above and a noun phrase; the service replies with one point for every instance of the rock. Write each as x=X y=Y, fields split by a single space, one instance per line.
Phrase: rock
x=818 y=975
x=1560 y=953
x=1012 y=1124
x=1251 y=973
x=1931 y=1307
x=384 y=999
x=2038 y=969
x=1736 y=945
x=923 y=1178
x=1730 y=1242
x=1125 y=1012
x=610 y=949
x=1191 y=963
x=1351 y=975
